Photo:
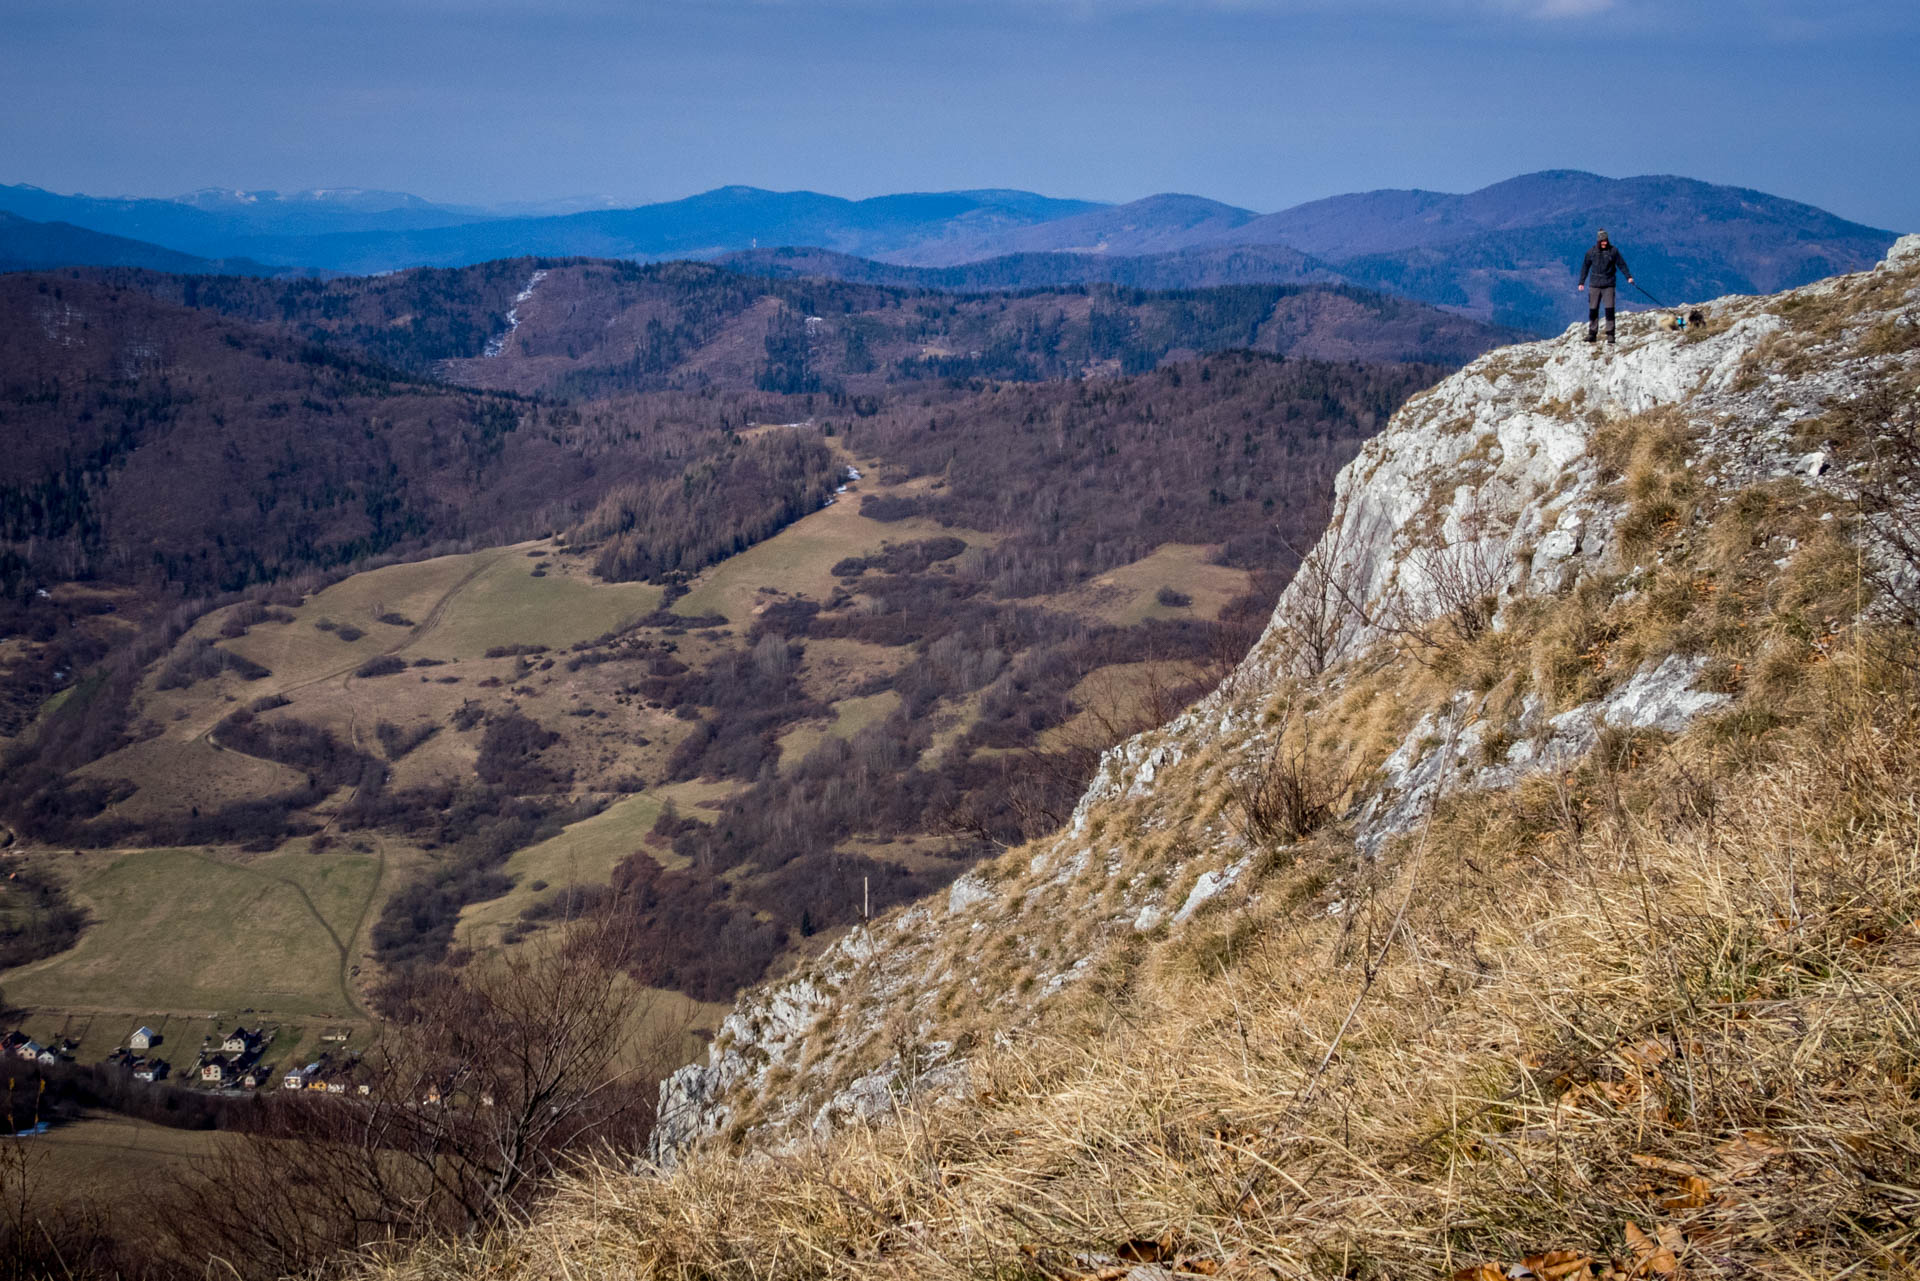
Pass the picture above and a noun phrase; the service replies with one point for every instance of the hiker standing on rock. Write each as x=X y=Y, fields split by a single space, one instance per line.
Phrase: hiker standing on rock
x=1596 y=277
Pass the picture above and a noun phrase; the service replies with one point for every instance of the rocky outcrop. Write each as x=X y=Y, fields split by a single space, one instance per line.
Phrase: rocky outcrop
x=1492 y=490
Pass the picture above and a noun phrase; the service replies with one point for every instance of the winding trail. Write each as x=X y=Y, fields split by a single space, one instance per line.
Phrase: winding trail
x=435 y=616
x=313 y=909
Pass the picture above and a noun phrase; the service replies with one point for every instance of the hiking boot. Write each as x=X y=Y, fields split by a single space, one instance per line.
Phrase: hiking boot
x=1609 y=340
x=1592 y=337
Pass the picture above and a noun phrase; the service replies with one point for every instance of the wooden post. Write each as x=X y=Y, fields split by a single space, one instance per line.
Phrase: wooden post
x=866 y=900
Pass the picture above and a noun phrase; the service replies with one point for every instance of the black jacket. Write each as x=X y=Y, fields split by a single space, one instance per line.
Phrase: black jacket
x=1603 y=263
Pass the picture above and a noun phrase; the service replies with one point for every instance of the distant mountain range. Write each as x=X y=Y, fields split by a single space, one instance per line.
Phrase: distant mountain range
x=1505 y=253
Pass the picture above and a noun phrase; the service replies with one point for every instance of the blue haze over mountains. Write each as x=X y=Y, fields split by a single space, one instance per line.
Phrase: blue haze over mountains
x=1505 y=253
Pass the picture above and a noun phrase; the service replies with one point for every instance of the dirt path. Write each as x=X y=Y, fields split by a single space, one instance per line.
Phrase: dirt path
x=343 y=947
x=435 y=616
x=313 y=909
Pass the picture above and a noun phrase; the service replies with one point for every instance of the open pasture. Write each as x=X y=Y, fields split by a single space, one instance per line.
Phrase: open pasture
x=187 y=932
x=1129 y=594
x=798 y=560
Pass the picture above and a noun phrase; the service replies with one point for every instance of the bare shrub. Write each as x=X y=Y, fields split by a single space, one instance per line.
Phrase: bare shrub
x=1884 y=421
x=1448 y=592
x=1465 y=576
x=1294 y=792
x=1321 y=612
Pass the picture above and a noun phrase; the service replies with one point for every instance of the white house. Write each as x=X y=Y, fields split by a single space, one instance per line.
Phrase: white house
x=142 y=1039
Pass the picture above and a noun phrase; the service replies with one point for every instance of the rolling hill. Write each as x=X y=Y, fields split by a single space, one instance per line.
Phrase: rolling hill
x=26 y=245
x=210 y=223
x=1509 y=251
x=488 y=736
x=1506 y=253
x=1185 y=269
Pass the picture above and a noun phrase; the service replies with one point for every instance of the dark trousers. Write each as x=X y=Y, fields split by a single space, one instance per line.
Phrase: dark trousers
x=1599 y=296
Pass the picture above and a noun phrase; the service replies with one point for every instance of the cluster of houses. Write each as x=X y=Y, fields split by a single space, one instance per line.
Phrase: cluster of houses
x=137 y=1058
x=17 y=1045
x=235 y=1061
x=329 y=1075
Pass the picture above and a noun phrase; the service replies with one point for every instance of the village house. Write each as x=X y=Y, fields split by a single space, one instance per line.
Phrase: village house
x=143 y=1039
x=49 y=1056
x=216 y=1070
x=28 y=1050
x=150 y=1069
x=238 y=1041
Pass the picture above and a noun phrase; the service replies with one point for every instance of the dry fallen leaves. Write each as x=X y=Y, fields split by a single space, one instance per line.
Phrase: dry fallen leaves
x=1746 y=1153
x=1657 y=1254
x=1481 y=1272
x=1556 y=1265
x=1693 y=1193
x=1653 y=1255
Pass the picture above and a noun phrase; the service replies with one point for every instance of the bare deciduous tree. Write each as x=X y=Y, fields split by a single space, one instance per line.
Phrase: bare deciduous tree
x=487 y=1080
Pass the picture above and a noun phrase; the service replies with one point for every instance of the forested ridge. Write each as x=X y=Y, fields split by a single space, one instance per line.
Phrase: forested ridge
x=592 y=327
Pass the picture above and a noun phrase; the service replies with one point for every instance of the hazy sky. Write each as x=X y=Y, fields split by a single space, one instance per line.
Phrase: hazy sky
x=1264 y=103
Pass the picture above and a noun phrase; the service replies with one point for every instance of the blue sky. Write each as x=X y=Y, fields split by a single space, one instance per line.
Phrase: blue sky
x=1263 y=103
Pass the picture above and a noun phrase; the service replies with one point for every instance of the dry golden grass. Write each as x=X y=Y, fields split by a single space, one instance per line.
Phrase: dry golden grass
x=1661 y=1013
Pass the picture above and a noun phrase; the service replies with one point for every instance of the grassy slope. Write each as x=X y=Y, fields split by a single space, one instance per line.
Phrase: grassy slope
x=1647 y=1015
x=797 y=561
x=180 y=930
x=116 y=1157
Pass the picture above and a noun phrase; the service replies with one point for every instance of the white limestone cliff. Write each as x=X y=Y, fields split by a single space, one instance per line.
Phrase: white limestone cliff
x=1492 y=475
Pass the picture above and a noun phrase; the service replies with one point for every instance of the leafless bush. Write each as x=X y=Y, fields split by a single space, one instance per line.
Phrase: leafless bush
x=1293 y=793
x=1453 y=591
x=1884 y=493
x=1322 y=611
